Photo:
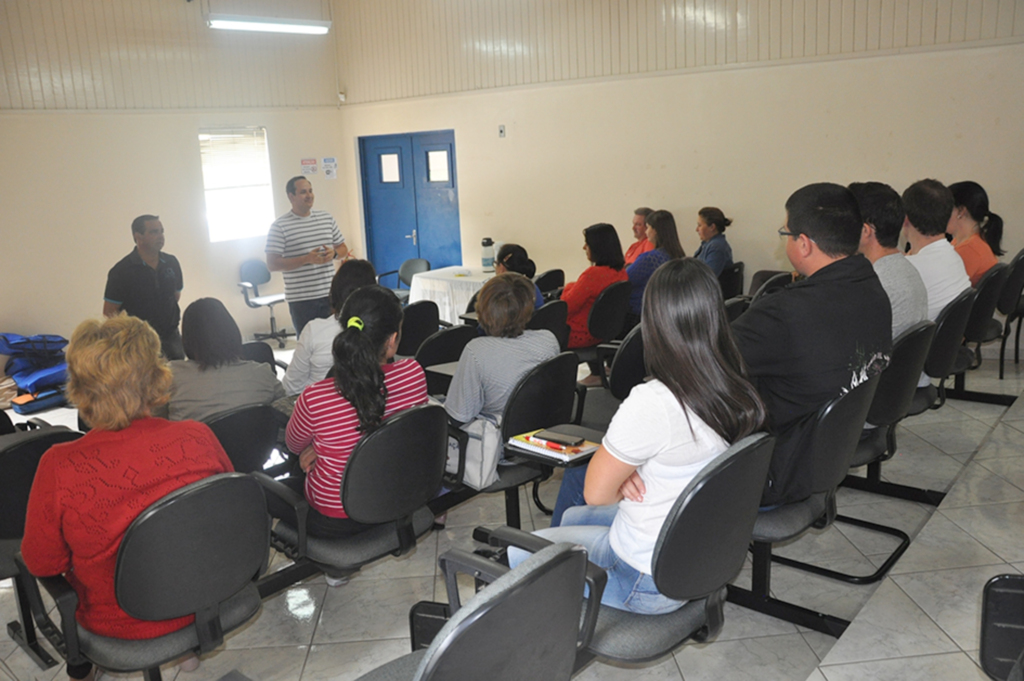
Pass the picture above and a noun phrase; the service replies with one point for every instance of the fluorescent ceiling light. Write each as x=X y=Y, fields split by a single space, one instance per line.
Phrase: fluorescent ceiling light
x=234 y=22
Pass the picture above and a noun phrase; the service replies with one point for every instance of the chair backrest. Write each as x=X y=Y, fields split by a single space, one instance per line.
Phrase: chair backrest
x=397 y=468
x=258 y=351
x=552 y=316
x=19 y=457
x=609 y=311
x=760 y=277
x=1009 y=299
x=550 y=280
x=949 y=332
x=254 y=272
x=704 y=539
x=771 y=285
x=521 y=627
x=248 y=435
x=898 y=382
x=628 y=367
x=989 y=290
x=731 y=280
x=542 y=398
x=445 y=345
x=193 y=549
x=419 y=322
x=410 y=267
x=734 y=307
x=833 y=440
x=6 y=425
x=471 y=305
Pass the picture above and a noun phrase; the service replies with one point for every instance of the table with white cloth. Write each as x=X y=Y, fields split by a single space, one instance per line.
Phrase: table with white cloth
x=450 y=287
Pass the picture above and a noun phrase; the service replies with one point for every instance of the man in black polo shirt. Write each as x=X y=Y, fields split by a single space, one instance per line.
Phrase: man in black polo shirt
x=816 y=338
x=147 y=284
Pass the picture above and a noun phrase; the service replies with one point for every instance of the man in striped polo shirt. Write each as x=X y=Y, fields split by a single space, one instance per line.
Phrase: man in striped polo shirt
x=301 y=244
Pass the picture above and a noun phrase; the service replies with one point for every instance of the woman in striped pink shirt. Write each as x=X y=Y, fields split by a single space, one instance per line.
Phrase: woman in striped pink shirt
x=333 y=414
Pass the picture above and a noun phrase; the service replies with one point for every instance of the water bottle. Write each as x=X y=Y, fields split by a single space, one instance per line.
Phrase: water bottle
x=487 y=255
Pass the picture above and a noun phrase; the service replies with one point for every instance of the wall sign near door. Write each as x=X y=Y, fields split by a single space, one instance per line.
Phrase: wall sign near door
x=330 y=166
x=308 y=166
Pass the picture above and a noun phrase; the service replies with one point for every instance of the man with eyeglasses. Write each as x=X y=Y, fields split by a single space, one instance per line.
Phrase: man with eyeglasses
x=817 y=338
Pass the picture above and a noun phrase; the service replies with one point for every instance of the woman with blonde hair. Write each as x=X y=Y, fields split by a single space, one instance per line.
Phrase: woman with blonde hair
x=86 y=493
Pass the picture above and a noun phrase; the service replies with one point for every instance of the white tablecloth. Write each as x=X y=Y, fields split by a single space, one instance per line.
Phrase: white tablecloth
x=450 y=287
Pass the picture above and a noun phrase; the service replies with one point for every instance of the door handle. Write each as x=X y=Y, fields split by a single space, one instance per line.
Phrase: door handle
x=412 y=236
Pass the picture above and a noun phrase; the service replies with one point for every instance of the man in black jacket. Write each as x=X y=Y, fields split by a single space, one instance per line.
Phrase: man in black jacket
x=816 y=338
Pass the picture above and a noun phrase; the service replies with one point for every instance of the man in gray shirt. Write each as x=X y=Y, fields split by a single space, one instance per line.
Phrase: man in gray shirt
x=882 y=211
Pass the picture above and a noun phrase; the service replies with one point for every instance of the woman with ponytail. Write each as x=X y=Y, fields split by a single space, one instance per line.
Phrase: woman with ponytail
x=976 y=231
x=333 y=414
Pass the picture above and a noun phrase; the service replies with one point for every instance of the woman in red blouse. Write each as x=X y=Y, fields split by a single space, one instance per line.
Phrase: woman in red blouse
x=333 y=414
x=607 y=266
x=86 y=493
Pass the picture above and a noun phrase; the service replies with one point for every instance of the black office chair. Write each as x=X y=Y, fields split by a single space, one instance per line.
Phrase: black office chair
x=20 y=452
x=248 y=435
x=606 y=318
x=6 y=425
x=442 y=347
x=389 y=478
x=760 y=278
x=196 y=552
x=1002 y=628
x=981 y=327
x=549 y=281
x=251 y=274
x=774 y=283
x=551 y=316
x=1011 y=306
x=731 y=281
x=405 y=273
x=831 y=447
x=261 y=352
x=420 y=321
x=627 y=363
x=543 y=398
x=736 y=306
x=701 y=547
x=523 y=626
x=896 y=387
x=942 y=356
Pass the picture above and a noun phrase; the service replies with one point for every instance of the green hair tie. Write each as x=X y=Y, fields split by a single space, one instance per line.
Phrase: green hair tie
x=356 y=322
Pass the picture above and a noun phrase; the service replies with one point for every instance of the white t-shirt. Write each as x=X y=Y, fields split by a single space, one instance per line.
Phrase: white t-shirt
x=651 y=431
x=313 y=356
x=943 y=274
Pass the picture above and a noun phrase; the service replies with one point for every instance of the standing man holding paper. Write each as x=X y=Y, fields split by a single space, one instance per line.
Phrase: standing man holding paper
x=302 y=244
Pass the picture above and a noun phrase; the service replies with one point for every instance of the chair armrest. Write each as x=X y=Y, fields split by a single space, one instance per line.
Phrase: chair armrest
x=454 y=561
x=280 y=363
x=384 y=274
x=596 y=578
x=581 y=400
x=444 y=324
x=293 y=499
x=246 y=285
x=462 y=437
x=65 y=637
x=31 y=424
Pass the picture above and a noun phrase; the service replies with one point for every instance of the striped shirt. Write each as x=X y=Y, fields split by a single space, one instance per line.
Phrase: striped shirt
x=291 y=236
x=328 y=421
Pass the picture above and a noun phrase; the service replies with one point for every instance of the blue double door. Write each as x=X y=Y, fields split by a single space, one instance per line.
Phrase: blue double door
x=411 y=200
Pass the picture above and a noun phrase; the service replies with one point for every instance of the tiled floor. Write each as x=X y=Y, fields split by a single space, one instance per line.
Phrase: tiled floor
x=923 y=623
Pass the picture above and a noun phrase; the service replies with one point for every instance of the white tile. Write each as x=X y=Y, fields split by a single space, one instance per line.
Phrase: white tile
x=952 y=436
x=952 y=598
x=286 y=619
x=997 y=526
x=770 y=658
x=349 y=661
x=261 y=664
x=820 y=643
x=743 y=623
x=978 y=485
x=889 y=626
x=1005 y=441
x=661 y=670
x=907 y=516
x=946 y=667
x=1011 y=470
x=986 y=413
x=366 y=610
x=821 y=594
x=942 y=544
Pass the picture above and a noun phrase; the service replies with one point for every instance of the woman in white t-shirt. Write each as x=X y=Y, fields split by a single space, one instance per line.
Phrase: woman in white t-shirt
x=665 y=432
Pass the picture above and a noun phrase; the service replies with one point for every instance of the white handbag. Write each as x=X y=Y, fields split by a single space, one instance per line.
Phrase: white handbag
x=483 y=451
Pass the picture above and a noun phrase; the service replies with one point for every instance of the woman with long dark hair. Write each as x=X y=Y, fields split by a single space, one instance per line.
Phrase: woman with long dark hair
x=333 y=414
x=698 y=403
x=977 y=232
x=714 y=251
x=661 y=231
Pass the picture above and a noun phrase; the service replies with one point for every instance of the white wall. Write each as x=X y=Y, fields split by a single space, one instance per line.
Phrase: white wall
x=741 y=139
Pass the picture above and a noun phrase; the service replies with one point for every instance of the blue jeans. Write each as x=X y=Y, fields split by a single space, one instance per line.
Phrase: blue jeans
x=303 y=311
x=570 y=493
x=627 y=589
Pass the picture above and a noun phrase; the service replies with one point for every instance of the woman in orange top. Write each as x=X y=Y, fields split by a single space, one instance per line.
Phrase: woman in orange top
x=975 y=230
x=607 y=266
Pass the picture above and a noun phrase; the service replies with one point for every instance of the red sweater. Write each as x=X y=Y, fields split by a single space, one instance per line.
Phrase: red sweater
x=580 y=296
x=85 y=495
x=329 y=422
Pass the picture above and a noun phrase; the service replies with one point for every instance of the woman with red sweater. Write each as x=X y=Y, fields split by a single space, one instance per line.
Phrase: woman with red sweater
x=86 y=493
x=607 y=266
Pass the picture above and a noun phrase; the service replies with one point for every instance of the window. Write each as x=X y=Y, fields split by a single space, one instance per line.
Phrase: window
x=236 y=176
